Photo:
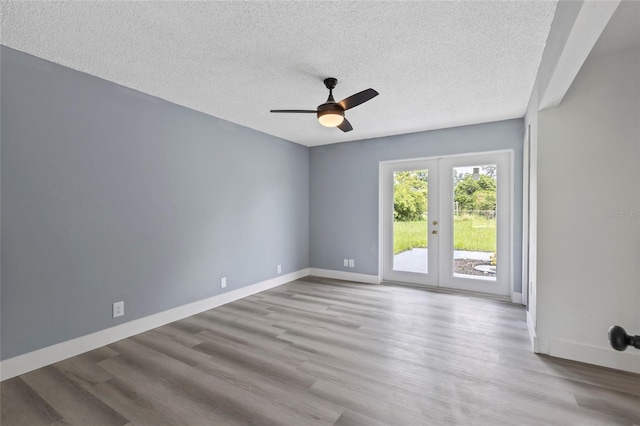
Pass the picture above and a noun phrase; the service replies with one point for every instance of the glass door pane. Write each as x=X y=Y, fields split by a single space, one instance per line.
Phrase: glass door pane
x=475 y=221
x=411 y=220
x=409 y=211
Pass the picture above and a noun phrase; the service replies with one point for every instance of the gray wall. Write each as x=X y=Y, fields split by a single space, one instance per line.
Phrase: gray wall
x=109 y=194
x=589 y=213
x=343 y=189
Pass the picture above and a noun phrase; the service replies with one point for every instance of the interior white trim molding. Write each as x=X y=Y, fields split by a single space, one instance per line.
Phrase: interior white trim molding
x=587 y=28
x=516 y=298
x=347 y=276
x=607 y=357
x=21 y=364
x=532 y=333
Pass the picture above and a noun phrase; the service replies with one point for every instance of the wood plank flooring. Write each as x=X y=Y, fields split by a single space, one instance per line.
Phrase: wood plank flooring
x=327 y=352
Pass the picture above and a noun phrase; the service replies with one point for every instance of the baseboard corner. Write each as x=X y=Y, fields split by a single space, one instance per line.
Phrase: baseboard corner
x=516 y=298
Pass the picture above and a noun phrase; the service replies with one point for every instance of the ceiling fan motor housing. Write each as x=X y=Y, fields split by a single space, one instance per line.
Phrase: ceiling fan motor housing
x=330 y=108
x=330 y=114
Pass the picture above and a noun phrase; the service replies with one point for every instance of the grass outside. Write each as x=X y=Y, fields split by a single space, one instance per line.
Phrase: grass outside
x=408 y=235
x=472 y=233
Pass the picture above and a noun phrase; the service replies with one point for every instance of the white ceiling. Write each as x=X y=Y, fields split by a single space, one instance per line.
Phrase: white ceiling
x=436 y=64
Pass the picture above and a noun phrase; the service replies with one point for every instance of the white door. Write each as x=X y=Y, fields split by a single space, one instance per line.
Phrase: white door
x=461 y=236
x=409 y=214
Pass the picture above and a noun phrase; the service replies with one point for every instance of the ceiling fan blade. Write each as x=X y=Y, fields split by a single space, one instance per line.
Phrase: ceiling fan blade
x=345 y=126
x=295 y=110
x=358 y=98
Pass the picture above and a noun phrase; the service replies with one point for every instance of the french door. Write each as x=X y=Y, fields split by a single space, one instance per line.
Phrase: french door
x=446 y=222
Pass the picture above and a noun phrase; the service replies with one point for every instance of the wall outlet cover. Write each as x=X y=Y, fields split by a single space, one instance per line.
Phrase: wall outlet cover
x=352 y=263
x=223 y=282
x=346 y=263
x=118 y=309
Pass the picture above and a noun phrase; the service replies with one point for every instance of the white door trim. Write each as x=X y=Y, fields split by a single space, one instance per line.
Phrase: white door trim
x=525 y=214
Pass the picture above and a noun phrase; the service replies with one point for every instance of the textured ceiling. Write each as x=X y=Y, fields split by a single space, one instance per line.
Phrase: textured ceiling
x=436 y=64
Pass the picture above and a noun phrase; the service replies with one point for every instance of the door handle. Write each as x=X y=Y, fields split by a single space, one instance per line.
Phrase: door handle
x=619 y=339
x=435 y=222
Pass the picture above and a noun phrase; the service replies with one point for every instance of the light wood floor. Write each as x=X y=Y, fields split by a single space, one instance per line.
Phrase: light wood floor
x=324 y=352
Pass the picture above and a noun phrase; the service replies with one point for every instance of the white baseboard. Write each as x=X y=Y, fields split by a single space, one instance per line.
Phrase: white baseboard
x=516 y=298
x=628 y=360
x=532 y=333
x=42 y=357
x=347 y=276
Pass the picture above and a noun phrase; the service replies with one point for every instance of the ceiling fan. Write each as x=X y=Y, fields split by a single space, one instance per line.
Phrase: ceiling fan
x=331 y=113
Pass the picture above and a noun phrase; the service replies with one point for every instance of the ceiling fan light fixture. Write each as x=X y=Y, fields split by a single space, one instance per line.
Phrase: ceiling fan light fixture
x=331 y=118
x=331 y=113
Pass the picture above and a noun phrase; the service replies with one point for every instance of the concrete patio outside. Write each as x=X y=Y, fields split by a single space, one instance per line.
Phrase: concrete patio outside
x=415 y=260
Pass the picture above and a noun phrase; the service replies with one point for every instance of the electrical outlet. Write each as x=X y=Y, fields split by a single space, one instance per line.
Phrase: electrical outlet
x=118 y=309
x=279 y=269
x=346 y=263
x=352 y=263
x=223 y=282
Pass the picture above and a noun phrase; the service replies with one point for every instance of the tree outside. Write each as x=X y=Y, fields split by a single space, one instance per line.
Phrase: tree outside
x=410 y=196
x=475 y=195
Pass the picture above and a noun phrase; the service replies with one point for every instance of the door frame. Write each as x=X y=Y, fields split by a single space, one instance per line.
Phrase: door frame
x=510 y=203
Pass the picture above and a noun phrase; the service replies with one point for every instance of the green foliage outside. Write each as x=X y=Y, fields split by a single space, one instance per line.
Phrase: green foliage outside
x=471 y=194
x=410 y=195
x=408 y=235
x=474 y=233
x=471 y=232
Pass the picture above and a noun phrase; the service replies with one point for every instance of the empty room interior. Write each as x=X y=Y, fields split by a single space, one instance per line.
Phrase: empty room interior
x=320 y=213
